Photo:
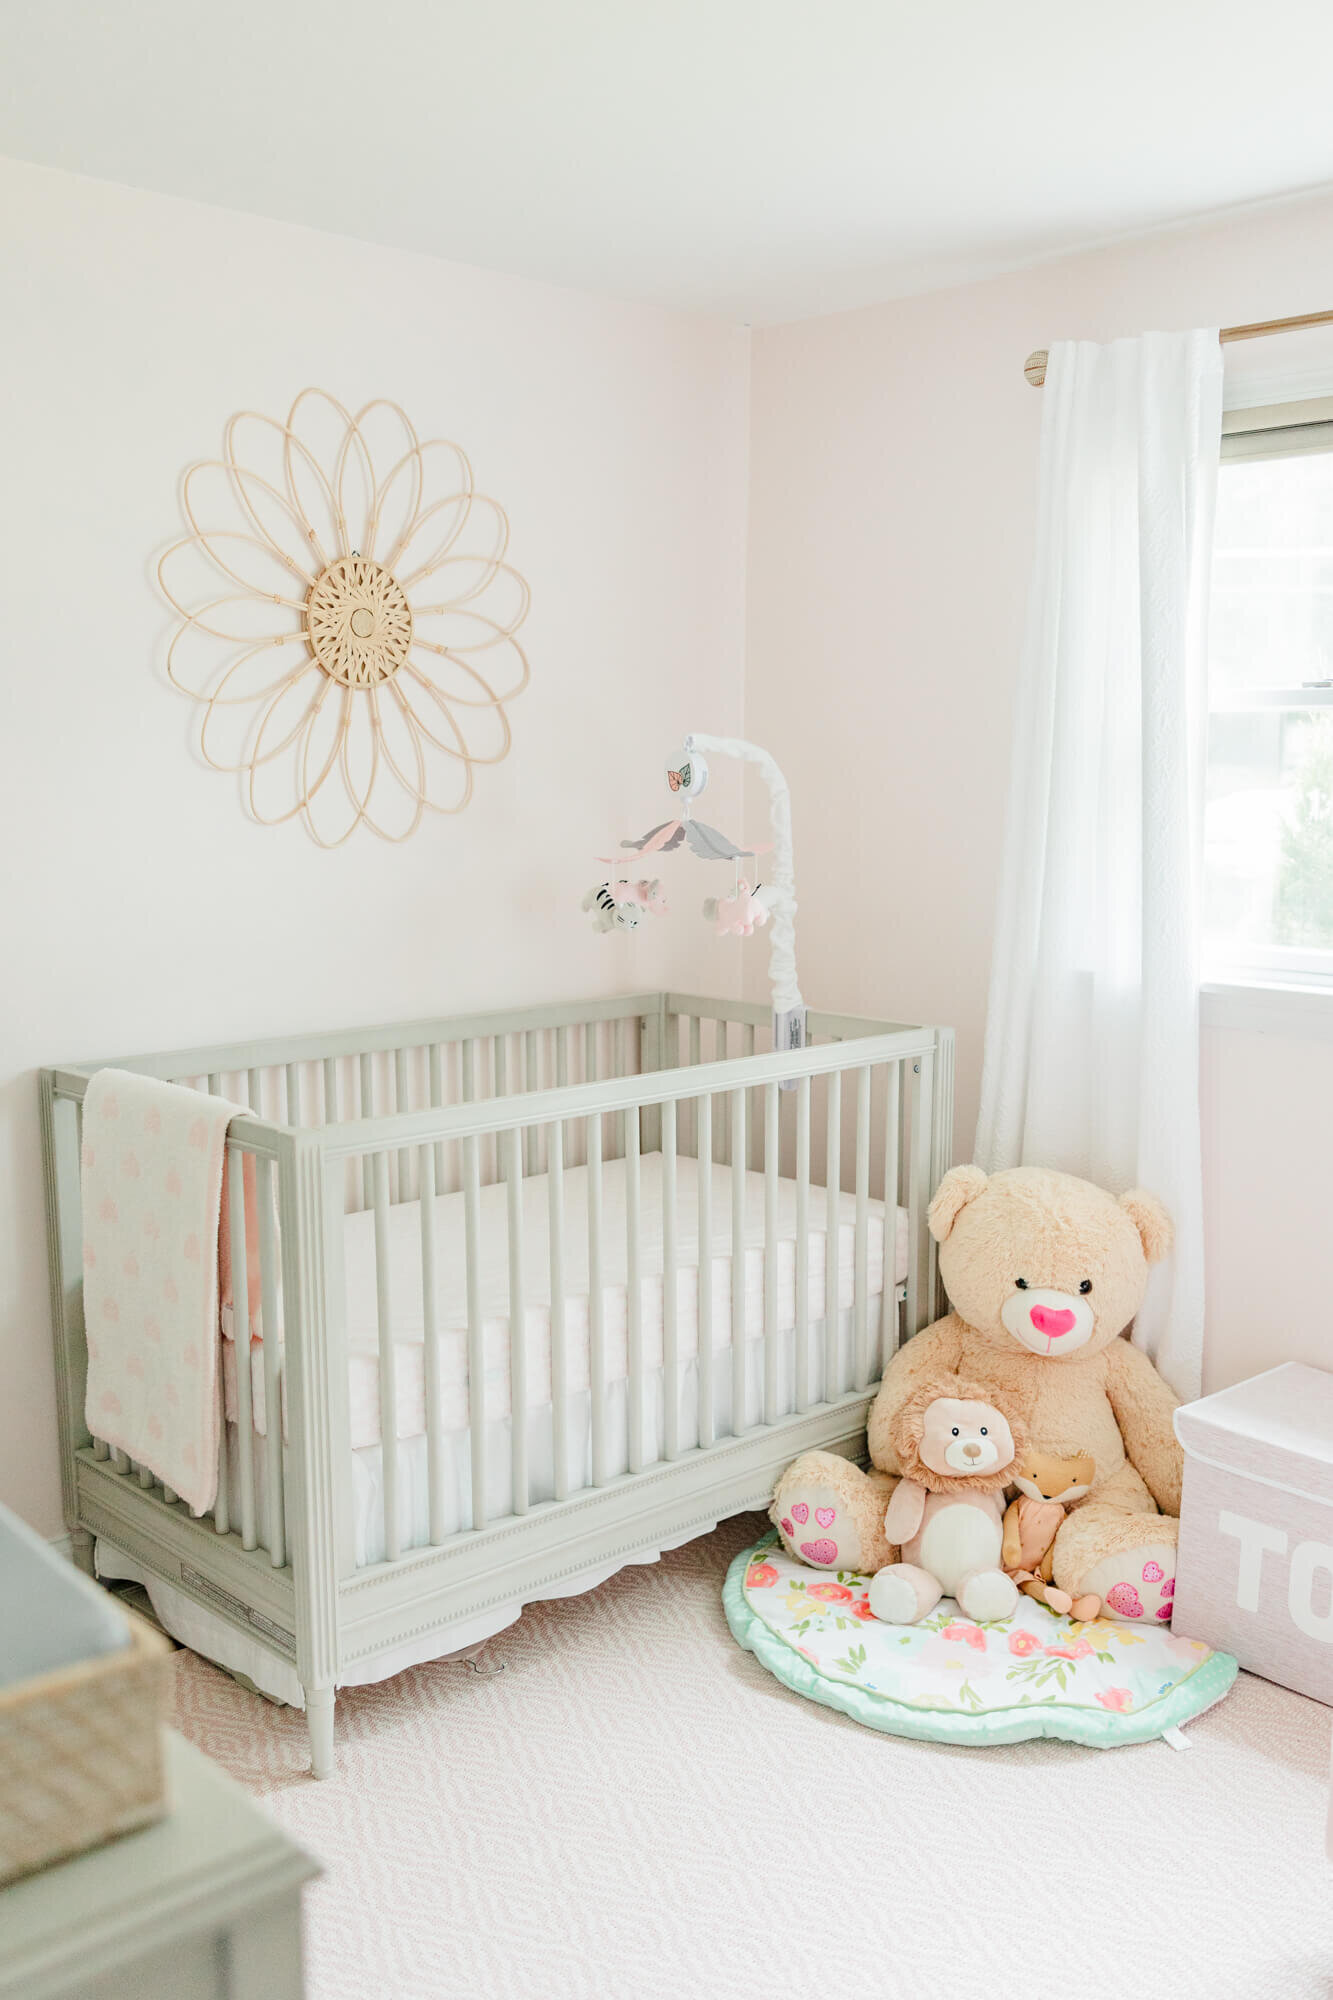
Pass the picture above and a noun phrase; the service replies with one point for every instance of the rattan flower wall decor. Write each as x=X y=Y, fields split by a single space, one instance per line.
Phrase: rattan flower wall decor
x=347 y=618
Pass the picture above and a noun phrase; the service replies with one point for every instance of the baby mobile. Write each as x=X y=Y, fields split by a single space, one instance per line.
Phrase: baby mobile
x=618 y=903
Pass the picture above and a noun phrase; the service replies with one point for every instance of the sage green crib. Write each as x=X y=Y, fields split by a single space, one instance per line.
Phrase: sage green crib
x=688 y=1154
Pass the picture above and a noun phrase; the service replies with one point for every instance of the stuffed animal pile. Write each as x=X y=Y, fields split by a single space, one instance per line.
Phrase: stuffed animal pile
x=1044 y=1273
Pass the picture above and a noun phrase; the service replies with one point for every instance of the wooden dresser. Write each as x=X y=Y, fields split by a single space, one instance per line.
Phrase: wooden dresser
x=205 y=1905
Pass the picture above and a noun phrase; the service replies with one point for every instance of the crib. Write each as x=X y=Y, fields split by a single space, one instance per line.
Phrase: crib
x=540 y=1293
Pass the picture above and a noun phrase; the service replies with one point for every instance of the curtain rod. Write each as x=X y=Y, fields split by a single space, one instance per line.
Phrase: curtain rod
x=1034 y=368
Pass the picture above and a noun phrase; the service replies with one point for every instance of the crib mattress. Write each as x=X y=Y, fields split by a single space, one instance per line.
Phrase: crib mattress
x=405 y=1299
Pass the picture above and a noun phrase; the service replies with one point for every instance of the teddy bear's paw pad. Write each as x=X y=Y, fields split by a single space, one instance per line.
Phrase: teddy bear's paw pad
x=1138 y=1587
x=817 y=1527
x=990 y=1595
x=822 y=1552
x=1125 y=1600
x=893 y=1598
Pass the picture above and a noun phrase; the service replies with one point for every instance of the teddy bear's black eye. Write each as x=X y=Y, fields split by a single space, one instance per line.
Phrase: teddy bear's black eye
x=1086 y=1286
x=983 y=1430
x=955 y=1430
x=1022 y=1284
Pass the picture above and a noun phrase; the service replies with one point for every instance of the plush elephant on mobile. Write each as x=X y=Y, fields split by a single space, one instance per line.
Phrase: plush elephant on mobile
x=1045 y=1272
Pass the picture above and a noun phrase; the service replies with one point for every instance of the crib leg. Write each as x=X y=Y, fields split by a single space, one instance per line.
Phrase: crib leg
x=81 y=1550
x=319 y=1721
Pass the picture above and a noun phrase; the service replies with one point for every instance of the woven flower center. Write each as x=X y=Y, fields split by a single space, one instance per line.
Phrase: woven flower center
x=358 y=621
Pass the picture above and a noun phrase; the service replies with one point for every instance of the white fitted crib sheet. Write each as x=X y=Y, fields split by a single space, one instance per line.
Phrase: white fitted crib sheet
x=406 y=1319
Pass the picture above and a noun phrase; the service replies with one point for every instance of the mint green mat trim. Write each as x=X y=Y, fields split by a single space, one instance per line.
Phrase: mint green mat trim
x=1071 y=1722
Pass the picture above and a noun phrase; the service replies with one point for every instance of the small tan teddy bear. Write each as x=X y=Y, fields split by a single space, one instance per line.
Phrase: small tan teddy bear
x=957 y=1453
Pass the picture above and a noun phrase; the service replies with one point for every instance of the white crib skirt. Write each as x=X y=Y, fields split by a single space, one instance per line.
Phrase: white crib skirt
x=220 y=1639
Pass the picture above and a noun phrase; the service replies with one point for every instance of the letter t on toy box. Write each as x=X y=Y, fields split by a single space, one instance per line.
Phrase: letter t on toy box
x=1255 y=1570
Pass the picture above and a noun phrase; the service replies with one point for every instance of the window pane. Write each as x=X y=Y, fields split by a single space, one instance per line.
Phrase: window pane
x=1272 y=613
x=1269 y=831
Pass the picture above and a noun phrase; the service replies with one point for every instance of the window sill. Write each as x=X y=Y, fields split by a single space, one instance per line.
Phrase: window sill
x=1259 y=1008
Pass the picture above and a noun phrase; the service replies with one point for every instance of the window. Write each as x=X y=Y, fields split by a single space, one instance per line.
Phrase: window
x=1268 y=890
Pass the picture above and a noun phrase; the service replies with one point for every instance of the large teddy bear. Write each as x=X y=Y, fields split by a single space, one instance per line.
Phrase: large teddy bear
x=1044 y=1272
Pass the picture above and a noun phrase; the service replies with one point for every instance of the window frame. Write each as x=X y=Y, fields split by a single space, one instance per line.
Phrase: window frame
x=1275 y=430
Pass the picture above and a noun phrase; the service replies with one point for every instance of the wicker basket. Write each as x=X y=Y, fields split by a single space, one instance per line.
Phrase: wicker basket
x=81 y=1753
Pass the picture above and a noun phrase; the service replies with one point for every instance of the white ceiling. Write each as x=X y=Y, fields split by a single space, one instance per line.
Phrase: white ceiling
x=765 y=159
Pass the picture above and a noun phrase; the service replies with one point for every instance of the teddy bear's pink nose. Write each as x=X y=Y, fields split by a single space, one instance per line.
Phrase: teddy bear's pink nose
x=1051 y=1323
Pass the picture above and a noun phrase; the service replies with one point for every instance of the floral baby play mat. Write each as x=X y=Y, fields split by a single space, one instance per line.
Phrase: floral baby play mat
x=953 y=1681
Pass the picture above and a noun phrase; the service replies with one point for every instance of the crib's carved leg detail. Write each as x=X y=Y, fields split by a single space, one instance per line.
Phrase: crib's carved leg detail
x=319 y=1721
x=81 y=1550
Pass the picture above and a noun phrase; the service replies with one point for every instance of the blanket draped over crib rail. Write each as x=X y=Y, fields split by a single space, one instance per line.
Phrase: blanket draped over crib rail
x=151 y=1182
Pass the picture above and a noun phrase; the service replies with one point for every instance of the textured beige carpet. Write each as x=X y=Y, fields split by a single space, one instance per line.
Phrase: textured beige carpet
x=634 y=1810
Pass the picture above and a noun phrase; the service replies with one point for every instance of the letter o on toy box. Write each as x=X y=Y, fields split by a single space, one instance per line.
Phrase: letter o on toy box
x=1307 y=1558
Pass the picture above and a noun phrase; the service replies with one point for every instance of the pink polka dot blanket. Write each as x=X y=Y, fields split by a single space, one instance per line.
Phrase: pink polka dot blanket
x=950 y=1680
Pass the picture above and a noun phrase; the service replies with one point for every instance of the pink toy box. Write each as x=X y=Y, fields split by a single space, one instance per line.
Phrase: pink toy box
x=1255 y=1571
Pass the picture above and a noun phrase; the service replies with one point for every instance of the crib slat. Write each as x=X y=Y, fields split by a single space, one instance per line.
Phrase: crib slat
x=146 y=1478
x=770 y=1253
x=670 y=1330
x=596 y=1303
x=293 y=1082
x=801 y=1344
x=435 y=1082
x=271 y=1355
x=214 y=1084
x=918 y=1194
x=747 y=1045
x=704 y=1143
x=530 y=1082
x=403 y=1164
x=254 y=1084
x=561 y=1057
x=694 y=1057
x=720 y=1055
x=476 y=1355
x=738 y=1327
x=122 y=1464
x=330 y=1090
x=500 y=1047
x=240 y=1326
x=169 y=1494
x=860 y=1262
x=388 y=1359
x=367 y=1110
x=833 y=1210
x=555 y=1194
x=101 y=1449
x=518 y=1329
x=222 y=1499
x=888 y=1303
x=430 y=1334
x=633 y=1288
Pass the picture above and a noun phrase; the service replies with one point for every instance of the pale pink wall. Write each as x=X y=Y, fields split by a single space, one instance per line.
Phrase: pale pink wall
x=141 y=909
x=893 y=469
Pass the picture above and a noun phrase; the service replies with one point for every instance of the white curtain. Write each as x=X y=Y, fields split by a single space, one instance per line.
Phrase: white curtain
x=1092 y=1044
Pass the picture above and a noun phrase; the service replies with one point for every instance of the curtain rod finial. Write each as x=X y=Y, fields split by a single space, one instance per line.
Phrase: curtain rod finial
x=1034 y=368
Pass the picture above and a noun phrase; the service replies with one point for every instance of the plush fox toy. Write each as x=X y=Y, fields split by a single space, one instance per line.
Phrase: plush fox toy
x=1046 y=1486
